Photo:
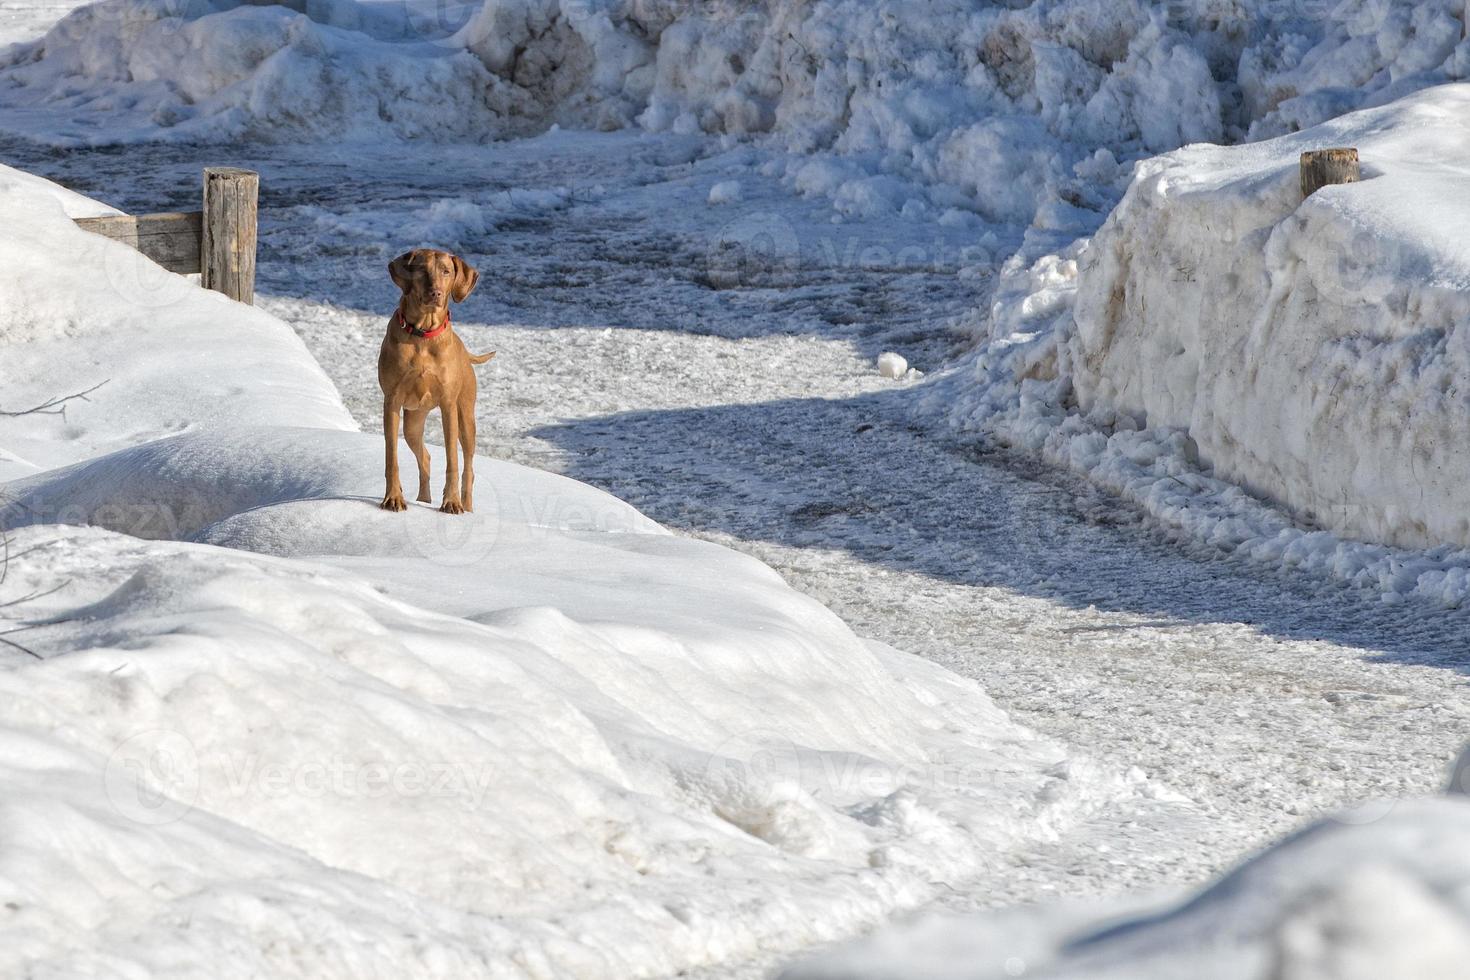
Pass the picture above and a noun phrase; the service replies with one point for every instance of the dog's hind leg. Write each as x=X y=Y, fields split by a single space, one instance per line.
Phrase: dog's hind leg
x=467 y=444
x=413 y=434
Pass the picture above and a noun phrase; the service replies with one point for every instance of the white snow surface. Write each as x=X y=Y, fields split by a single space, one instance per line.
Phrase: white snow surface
x=256 y=725
x=1375 y=893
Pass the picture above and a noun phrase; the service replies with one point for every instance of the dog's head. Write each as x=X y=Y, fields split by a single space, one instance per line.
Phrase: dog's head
x=430 y=278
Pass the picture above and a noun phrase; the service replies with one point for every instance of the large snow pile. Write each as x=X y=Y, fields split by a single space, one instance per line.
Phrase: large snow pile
x=1009 y=110
x=254 y=726
x=1315 y=351
x=1220 y=337
x=1380 y=893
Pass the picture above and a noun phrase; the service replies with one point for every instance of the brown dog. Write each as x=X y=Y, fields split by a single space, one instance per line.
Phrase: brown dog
x=422 y=366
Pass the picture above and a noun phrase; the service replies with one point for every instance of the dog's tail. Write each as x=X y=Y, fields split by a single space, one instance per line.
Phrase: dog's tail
x=481 y=358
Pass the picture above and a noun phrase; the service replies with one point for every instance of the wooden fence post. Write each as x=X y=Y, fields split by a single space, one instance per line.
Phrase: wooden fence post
x=1323 y=167
x=227 y=241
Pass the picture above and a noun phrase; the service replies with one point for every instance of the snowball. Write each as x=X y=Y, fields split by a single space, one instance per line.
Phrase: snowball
x=892 y=365
x=726 y=192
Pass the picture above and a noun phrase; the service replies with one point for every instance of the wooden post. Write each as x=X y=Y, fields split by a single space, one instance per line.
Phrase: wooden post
x=227 y=241
x=1323 y=167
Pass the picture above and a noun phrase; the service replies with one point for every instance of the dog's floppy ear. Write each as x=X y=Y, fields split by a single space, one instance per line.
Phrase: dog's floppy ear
x=398 y=270
x=465 y=278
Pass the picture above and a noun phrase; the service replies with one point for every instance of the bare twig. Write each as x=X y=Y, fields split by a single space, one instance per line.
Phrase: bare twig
x=35 y=595
x=8 y=556
x=55 y=406
x=5 y=558
x=12 y=643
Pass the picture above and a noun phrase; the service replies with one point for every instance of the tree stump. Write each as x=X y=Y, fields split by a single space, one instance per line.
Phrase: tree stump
x=227 y=240
x=1323 y=167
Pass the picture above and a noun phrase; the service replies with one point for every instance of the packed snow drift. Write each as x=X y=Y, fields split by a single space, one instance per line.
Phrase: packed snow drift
x=246 y=710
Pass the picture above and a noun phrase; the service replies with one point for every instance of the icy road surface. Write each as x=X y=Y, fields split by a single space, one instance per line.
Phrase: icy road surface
x=738 y=399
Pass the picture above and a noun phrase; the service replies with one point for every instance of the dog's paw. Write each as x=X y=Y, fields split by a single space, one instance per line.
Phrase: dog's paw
x=394 y=502
x=424 y=497
x=452 y=507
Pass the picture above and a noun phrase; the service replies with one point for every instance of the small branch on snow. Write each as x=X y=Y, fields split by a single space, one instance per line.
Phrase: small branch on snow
x=5 y=557
x=55 y=406
x=28 y=650
x=35 y=595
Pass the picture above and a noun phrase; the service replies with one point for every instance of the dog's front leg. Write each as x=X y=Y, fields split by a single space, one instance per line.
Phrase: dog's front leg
x=413 y=434
x=452 y=504
x=393 y=495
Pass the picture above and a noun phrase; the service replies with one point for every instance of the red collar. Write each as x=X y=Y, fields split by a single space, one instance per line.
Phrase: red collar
x=425 y=334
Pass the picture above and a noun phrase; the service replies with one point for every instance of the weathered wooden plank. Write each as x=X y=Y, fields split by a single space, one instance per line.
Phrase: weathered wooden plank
x=227 y=242
x=1320 y=168
x=171 y=239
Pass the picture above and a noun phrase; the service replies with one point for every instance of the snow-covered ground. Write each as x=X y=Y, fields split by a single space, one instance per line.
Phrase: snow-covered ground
x=549 y=737
x=744 y=415
x=692 y=322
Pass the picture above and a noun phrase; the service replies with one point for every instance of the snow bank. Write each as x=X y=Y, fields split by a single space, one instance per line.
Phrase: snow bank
x=1377 y=893
x=1261 y=373
x=557 y=742
x=251 y=724
x=168 y=355
x=996 y=109
x=1315 y=352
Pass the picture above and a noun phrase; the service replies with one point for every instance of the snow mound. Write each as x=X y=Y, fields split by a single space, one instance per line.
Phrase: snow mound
x=1259 y=372
x=1315 y=351
x=223 y=751
x=168 y=355
x=1378 y=893
x=177 y=488
x=998 y=109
